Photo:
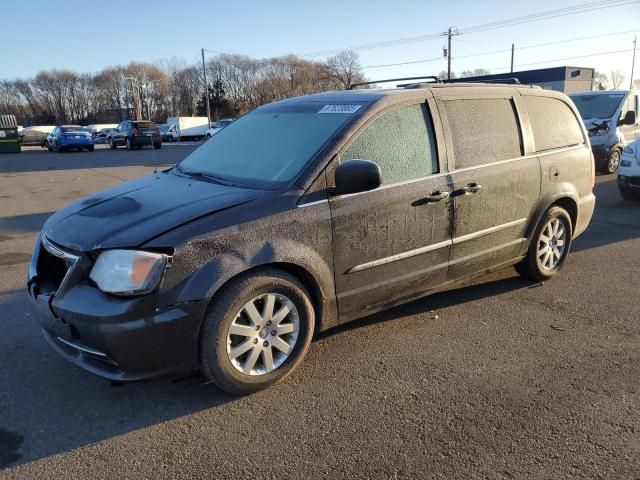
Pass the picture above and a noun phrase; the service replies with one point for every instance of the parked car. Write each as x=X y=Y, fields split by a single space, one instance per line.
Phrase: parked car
x=31 y=137
x=629 y=172
x=219 y=125
x=305 y=214
x=97 y=127
x=135 y=134
x=612 y=118
x=102 y=135
x=67 y=137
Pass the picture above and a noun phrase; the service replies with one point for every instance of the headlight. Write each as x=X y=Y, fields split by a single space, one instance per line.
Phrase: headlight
x=128 y=272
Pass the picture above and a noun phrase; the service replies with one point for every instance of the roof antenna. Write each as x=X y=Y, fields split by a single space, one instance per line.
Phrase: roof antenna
x=153 y=153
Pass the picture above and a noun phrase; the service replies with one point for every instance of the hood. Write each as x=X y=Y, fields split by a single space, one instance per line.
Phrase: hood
x=132 y=213
x=591 y=123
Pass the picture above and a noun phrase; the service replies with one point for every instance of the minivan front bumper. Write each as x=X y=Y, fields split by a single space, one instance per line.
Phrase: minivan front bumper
x=118 y=338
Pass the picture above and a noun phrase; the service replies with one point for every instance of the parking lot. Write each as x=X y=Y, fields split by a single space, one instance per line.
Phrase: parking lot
x=499 y=378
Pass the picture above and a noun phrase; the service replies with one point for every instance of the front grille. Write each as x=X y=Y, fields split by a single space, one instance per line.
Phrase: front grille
x=54 y=265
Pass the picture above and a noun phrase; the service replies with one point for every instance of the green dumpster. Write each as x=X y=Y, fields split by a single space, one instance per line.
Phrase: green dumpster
x=9 y=139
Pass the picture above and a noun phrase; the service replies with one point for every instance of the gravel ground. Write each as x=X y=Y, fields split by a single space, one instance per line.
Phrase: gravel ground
x=500 y=378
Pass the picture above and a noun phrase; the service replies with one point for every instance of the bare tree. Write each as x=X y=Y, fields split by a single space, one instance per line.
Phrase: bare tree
x=600 y=81
x=617 y=77
x=345 y=69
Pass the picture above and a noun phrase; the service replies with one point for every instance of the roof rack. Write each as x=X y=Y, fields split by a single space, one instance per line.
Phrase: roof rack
x=434 y=78
x=511 y=80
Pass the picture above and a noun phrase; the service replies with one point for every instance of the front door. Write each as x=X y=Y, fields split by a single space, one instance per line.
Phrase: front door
x=630 y=133
x=393 y=242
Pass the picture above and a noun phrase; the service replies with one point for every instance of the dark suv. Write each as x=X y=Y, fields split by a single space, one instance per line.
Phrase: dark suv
x=135 y=134
x=305 y=214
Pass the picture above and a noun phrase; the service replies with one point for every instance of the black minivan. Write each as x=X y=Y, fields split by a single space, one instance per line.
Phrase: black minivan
x=305 y=214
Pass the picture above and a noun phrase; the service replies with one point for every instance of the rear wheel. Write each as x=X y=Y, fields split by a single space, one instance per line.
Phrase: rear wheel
x=129 y=144
x=550 y=246
x=157 y=145
x=112 y=144
x=91 y=149
x=257 y=331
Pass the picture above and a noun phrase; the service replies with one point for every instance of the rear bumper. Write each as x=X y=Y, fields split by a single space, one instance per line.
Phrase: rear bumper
x=120 y=339
x=585 y=212
x=144 y=140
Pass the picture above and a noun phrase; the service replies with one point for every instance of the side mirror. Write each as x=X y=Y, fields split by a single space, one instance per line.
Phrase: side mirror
x=355 y=176
x=629 y=118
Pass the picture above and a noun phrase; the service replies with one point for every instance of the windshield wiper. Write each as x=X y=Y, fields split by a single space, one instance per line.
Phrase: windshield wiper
x=206 y=176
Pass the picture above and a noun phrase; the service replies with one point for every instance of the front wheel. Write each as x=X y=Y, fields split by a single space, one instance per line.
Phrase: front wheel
x=613 y=161
x=549 y=247
x=257 y=331
x=112 y=144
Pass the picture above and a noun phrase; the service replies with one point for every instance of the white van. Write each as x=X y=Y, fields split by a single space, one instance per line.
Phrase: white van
x=612 y=119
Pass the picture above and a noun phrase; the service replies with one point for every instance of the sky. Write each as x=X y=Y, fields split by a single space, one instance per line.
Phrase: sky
x=88 y=36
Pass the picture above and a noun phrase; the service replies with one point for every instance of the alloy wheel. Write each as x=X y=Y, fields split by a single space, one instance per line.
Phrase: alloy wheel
x=551 y=244
x=263 y=334
x=614 y=161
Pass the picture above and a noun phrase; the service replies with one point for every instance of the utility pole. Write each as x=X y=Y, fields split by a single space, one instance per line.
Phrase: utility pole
x=449 y=33
x=206 y=90
x=633 y=61
x=513 y=46
x=449 y=55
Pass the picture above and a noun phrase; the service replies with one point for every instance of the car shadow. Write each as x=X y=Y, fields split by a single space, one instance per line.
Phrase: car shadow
x=21 y=224
x=42 y=160
x=48 y=406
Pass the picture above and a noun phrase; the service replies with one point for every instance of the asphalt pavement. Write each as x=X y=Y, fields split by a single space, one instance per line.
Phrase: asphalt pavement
x=499 y=378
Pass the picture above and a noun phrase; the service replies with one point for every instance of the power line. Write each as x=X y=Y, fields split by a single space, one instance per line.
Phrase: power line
x=588 y=7
x=565 y=58
x=426 y=60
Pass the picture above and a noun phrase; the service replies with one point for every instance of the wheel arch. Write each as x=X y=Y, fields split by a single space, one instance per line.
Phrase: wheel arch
x=565 y=199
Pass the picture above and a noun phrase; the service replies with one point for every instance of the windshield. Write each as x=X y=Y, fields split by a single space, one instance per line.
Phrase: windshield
x=271 y=145
x=222 y=123
x=73 y=129
x=597 y=105
x=164 y=128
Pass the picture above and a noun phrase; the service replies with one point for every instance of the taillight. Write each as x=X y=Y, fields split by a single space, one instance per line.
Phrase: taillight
x=135 y=132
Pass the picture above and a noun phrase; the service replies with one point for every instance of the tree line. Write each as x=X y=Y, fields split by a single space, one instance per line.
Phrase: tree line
x=172 y=87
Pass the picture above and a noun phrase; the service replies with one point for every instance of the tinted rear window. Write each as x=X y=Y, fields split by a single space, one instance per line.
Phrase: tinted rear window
x=143 y=124
x=553 y=123
x=483 y=130
x=73 y=129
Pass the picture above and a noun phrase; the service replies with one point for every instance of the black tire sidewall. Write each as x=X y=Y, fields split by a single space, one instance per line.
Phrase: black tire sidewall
x=534 y=269
x=213 y=339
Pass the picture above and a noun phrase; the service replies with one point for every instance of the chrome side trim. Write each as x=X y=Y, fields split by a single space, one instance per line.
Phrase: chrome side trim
x=435 y=246
x=487 y=231
x=310 y=204
x=82 y=348
x=399 y=256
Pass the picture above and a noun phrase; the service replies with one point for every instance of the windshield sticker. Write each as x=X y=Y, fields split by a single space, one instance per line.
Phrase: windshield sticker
x=340 y=109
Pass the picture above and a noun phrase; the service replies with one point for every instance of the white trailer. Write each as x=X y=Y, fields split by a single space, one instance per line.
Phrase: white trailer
x=182 y=128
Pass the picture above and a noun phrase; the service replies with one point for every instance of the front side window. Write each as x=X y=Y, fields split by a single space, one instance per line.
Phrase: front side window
x=553 y=123
x=483 y=130
x=401 y=142
x=271 y=145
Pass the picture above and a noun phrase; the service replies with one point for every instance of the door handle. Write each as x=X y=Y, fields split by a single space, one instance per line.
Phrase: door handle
x=433 y=198
x=468 y=190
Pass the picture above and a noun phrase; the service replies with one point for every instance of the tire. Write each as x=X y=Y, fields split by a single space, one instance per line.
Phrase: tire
x=48 y=147
x=613 y=161
x=542 y=268
x=217 y=344
x=91 y=149
x=157 y=146
x=629 y=195
x=112 y=144
x=129 y=144
x=58 y=149
x=208 y=136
